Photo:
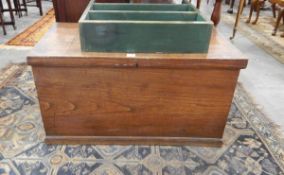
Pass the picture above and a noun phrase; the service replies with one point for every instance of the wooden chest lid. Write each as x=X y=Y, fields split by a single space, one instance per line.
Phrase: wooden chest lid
x=61 y=47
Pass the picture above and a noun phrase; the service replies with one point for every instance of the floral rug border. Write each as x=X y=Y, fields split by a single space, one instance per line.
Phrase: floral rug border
x=267 y=130
x=32 y=34
x=8 y=73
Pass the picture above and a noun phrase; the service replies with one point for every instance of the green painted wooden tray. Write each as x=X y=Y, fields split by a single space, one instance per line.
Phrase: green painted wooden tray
x=144 y=28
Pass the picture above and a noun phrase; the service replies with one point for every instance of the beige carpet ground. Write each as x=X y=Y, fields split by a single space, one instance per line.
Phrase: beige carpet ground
x=260 y=34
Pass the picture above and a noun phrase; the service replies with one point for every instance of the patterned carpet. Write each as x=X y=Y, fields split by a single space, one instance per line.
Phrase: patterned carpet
x=251 y=143
x=35 y=32
x=260 y=34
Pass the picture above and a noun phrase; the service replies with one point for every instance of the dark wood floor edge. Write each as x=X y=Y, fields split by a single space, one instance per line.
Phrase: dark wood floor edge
x=118 y=140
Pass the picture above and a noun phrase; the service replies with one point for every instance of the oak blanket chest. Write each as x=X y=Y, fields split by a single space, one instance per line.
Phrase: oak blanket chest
x=119 y=98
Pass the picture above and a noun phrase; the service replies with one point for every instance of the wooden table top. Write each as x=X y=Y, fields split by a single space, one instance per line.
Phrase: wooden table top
x=61 y=47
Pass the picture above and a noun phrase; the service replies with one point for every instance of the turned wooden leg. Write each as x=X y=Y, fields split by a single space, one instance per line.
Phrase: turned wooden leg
x=216 y=14
x=251 y=10
x=242 y=9
x=257 y=8
x=241 y=6
x=273 y=6
x=280 y=15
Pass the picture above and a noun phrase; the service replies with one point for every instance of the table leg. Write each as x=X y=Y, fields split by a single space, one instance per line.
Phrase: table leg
x=25 y=7
x=198 y=2
x=240 y=9
x=216 y=14
x=1 y=5
x=17 y=6
x=11 y=13
x=2 y=23
x=38 y=4
x=280 y=16
x=231 y=9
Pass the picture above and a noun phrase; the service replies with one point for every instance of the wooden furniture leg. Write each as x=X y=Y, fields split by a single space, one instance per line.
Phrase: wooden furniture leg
x=257 y=8
x=11 y=14
x=273 y=6
x=10 y=10
x=20 y=7
x=230 y=10
x=39 y=5
x=17 y=5
x=280 y=16
x=2 y=22
x=25 y=6
x=251 y=10
x=241 y=6
x=198 y=2
x=216 y=14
